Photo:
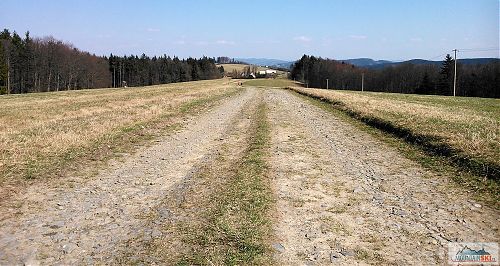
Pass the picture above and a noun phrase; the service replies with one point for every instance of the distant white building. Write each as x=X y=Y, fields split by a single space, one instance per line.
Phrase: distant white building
x=267 y=72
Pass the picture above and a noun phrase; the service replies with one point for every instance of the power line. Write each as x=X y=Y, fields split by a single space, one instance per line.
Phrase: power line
x=485 y=50
x=437 y=56
x=480 y=49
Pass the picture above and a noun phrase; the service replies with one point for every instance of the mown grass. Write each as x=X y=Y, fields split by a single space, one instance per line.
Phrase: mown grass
x=45 y=134
x=280 y=83
x=483 y=188
x=237 y=226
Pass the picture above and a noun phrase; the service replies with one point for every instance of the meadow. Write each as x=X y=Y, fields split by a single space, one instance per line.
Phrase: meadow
x=278 y=82
x=228 y=68
x=42 y=133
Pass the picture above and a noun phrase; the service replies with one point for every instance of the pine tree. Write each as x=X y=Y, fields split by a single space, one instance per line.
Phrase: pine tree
x=426 y=86
x=446 y=76
x=3 y=70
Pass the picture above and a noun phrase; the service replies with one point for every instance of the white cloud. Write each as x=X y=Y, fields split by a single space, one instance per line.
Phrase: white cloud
x=180 y=42
x=152 y=30
x=201 y=43
x=416 y=39
x=103 y=36
x=302 y=39
x=358 y=37
x=225 y=42
x=265 y=42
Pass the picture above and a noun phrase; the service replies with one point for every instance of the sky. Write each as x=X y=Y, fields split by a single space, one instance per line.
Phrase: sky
x=339 y=29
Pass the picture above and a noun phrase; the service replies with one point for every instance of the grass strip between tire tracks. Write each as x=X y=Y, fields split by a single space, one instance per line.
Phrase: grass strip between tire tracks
x=238 y=226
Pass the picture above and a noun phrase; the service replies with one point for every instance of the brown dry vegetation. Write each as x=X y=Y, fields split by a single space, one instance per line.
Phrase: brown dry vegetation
x=468 y=125
x=228 y=68
x=42 y=132
x=270 y=82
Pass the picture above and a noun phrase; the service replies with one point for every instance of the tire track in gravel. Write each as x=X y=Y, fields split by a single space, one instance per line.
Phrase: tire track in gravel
x=92 y=221
x=205 y=220
x=344 y=197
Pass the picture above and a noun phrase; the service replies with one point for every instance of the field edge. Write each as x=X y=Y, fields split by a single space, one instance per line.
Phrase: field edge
x=478 y=176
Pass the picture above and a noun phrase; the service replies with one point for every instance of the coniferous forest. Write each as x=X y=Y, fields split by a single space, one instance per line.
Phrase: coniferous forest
x=45 y=64
x=473 y=80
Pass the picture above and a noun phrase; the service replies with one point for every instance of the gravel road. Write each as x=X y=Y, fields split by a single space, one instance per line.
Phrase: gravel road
x=345 y=197
x=91 y=221
x=342 y=196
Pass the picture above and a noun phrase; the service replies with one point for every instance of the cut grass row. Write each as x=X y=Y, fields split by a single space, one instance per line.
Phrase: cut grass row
x=46 y=134
x=237 y=225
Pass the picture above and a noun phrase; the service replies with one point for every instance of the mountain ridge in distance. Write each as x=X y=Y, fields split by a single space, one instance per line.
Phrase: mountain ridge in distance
x=364 y=62
x=267 y=62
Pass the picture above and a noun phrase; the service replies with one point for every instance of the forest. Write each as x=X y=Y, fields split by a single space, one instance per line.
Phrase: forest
x=474 y=80
x=45 y=64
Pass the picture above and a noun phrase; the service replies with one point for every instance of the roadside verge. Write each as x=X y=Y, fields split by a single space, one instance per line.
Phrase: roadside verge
x=477 y=175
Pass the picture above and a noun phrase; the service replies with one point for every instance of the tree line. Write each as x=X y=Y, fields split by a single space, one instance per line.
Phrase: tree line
x=473 y=80
x=45 y=64
x=142 y=71
x=227 y=60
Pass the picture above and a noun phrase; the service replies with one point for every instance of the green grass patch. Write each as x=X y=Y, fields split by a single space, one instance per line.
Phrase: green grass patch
x=281 y=83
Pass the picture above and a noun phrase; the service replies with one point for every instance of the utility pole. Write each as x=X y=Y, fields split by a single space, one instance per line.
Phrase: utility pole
x=362 y=81
x=327 y=84
x=8 y=76
x=120 y=85
x=455 y=77
x=114 y=78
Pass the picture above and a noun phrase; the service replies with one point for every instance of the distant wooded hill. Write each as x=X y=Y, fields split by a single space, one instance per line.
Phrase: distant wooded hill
x=360 y=62
x=475 y=77
x=370 y=63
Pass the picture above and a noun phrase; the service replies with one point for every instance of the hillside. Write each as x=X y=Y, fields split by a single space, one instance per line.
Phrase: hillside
x=277 y=63
x=370 y=63
x=228 y=68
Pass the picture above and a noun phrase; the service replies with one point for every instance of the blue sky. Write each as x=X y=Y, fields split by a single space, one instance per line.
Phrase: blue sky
x=340 y=29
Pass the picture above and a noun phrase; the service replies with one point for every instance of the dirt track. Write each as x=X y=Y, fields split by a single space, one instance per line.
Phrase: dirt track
x=89 y=222
x=347 y=198
x=342 y=196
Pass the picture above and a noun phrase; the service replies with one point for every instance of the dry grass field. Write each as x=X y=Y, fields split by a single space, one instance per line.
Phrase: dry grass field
x=42 y=132
x=468 y=125
x=212 y=173
x=273 y=83
x=228 y=68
